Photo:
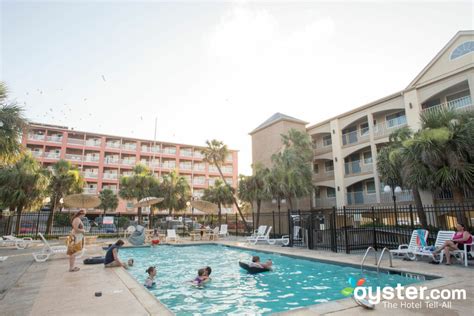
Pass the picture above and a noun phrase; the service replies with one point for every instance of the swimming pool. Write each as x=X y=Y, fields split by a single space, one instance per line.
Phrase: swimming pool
x=293 y=283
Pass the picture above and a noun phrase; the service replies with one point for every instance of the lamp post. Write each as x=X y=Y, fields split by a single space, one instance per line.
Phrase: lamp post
x=188 y=204
x=394 y=189
x=278 y=201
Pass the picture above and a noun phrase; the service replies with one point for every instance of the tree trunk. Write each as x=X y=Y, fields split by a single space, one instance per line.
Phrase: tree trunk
x=458 y=197
x=219 y=214
x=19 y=210
x=419 y=208
x=247 y=227
x=10 y=220
x=49 y=226
x=290 y=202
x=139 y=215
x=259 y=203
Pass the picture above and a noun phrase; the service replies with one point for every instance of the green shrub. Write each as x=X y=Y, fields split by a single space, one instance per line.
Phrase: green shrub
x=122 y=222
x=62 y=219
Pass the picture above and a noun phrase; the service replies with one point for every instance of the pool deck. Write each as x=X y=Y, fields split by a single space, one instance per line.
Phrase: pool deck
x=30 y=288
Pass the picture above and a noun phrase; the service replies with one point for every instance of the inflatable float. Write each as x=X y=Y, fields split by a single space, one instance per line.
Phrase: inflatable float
x=252 y=270
x=94 y=260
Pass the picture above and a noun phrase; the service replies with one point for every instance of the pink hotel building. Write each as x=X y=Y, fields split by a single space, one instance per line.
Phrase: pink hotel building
x=103 y=159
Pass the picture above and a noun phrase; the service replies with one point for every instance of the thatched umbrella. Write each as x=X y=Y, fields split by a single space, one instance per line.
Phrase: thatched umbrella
x=205 y=206
x=82 y=200
x=148 y=201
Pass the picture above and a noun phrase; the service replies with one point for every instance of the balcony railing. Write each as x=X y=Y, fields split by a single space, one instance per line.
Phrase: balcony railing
x=168 y=166
x=128 y=162
x=130 y=147
x=185 y=166
x=360 y=197
x=201 y=168
x=92 y=175
x=199 y=181
x=36 y=136
x=127 y=174
x=404 y=196
x=52 y=155
x=386 y=128
x=355 y=137
x=464 y=103
x=227 y=170
x=111 y=176
x=169 y=151
x=186 y=153
x=91 y=158
x=54 y=139
x=115 y=145
x=111 y=161
x=197 y=154
x=93 y=143
x=90 y=190
x=325 y=202
x=329 y=175
x=75 y=141
x=357 y=167
x=73 y=157
x=37 y=153
x=320 y=148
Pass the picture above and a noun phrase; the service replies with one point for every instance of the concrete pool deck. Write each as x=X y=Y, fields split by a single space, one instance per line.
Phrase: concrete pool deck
x=30 y=288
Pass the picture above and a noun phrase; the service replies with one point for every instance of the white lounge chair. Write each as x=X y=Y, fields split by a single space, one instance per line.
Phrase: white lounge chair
x=214 y=234
x=265 y=237
x=441 y=238
x=3 y=258
x=417 y=242
x=462 y=255
x=223 y=231
x=258 y=233
x=171 y=235
x=285 y=239
x=12 y=241
x=49 y=250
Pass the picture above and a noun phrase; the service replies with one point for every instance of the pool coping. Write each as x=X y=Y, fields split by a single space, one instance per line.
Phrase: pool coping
x=148 y=300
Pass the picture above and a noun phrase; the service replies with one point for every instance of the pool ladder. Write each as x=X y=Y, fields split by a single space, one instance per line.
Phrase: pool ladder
x=379 y=261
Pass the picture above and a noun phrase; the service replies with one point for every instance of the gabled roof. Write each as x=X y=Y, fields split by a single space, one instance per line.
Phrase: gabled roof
x=440 y=53
x=275 y=118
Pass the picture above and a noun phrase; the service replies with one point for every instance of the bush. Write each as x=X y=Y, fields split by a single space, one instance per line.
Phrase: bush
x=122 y=222
x=62 y=219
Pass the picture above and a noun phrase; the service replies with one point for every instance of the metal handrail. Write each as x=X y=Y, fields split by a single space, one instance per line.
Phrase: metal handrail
x=365 y=256
x=381 y=256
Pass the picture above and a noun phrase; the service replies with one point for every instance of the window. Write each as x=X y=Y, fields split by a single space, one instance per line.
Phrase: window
x=329 y=166
x=317 y=193
x=370 y=187
x=327 y=141
x=463 y=49
x=330 y=192
x=367 y=157
x=431 y=103
x=364 y=129
x=316 y=168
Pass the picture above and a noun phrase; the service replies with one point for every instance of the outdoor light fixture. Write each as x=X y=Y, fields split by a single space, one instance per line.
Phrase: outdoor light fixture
x=335 y=159
x=411 y=105
x=394 y=190
x=333 y=131
x=278 y=201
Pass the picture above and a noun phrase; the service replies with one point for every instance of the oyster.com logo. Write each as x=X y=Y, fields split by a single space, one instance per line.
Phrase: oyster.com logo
x=354 y=283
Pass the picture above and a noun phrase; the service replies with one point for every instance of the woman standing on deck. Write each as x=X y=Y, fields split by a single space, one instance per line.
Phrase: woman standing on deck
x=75 y=240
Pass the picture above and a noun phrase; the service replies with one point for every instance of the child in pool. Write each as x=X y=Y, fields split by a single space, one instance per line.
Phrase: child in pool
x=201 y=278
x=150 y=281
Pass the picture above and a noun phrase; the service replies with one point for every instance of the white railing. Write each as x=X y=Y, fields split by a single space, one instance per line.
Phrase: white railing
x=36 y=136
x=227 y=170
x=168 y=165
x=93 y=143
x=52 y=155
x=129 y=162
x=325 y=202
x=108 y=175
x=199 y=181
x=185 y=166
x=109 y=160
x=229 y=157
x=388 y=127
x=169 y=151
x=213 y=169
x=90 y=190
x=92 y=175
x=112 y=144
x=360 y=197
x=229 y=181
x=73 y=157
x=186 y=153
x=463 y=103
x=54 y=139
x=37 y=153
x=320 y=148
x=75 y=141
x=201 y=168
x=148 y=149
x=127 y=174
x=404 y=196
x=323 y=175
x=355 y=137
x=92 y=158
x=357 y=167
x=197 y=154
x=130 y=147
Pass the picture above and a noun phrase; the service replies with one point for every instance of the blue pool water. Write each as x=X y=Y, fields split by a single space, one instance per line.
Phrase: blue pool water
x=293 y=283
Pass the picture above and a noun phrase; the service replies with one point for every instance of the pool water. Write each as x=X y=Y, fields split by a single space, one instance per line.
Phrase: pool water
x=293 y=283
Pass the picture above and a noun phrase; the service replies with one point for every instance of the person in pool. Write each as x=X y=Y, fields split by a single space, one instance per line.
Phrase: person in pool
x=262 y=265
x=150 y=280
x=201 y=278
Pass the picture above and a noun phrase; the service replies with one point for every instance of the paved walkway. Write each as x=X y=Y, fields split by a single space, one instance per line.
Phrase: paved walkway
x=31 y=288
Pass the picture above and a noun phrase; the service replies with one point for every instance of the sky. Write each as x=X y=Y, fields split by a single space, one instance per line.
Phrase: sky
x=213 y=69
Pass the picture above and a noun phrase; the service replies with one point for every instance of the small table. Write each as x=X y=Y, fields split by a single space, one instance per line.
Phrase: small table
x=200 y=232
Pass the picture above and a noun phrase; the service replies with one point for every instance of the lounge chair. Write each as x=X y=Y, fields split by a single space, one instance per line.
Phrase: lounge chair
x=3 y=258
x=12 y=241
x=223 y=231
x=265 y=237
x=462 y=255
x=441 y=238
x=417 y=242
x=171 y=235
x=214 y=234
x=285 y=239
x=258 y=233
x=49 y=250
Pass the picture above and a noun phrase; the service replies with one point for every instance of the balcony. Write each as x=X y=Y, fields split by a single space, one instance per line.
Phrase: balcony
x=325 y=202
x=91 y=175
x=384 y=129
x=111 y=161
x=228 y=170
x=355 y=137
x=129 y=147
x=36 y=153
x=93 y=143
x=461 y=104
x=199 y=181
x=185 y=166
x=110 y=176
x=52 y=155
x=148 y=149
x=320 y=148
x=114 y=145
x=357 y=167
x=129 y=162
x=36 y=136
x=213 y=169
x=127 y=174
x=90 y=190
x=197 y=154
x=91 y=158
x=186 y=153
x=73 y=157
x=54 y=139
x=75 y=141
x=360 y=197
x=321 y=176
x=404 y=196
x=168 y=165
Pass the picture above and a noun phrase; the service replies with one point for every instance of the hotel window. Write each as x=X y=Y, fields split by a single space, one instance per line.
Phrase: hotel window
x=317 y=193
x=364 y=129
x=463 y=49
x=330 y=192
x=316 y=168
x=367 y=157
x=327 y=141
x=329 y=166
x=370 y=187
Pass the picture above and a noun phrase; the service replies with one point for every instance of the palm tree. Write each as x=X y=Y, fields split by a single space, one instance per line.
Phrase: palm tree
x=137 y=186
x=108 y=200
x=12 y=124
x=65 y=179
x=219 y=194
x=176 y=192
x=23 y=186
x=292 y=166
x=216 y=154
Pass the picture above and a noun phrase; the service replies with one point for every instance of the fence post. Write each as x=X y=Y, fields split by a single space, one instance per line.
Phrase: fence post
x=290 y=230
x=346 y=239
x=333 y=230
x=310 y=233
x=411 y=217
x=273 y=230
x=236 y=225
x=37 y=223
x=374 y=229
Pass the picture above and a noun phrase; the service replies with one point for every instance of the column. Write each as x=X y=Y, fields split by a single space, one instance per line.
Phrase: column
x=338 y=161
x=373 y=150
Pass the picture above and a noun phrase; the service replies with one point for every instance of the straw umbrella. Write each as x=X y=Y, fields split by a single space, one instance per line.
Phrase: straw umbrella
x=147 y=202
x=82 y=200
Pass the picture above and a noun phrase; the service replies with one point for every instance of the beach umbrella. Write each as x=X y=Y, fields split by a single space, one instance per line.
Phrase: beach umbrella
x=148 y=201
x=82 y=200
x=205 y=206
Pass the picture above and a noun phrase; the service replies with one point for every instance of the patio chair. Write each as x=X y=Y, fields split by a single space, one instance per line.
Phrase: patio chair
x=417 y=241
x=285 y=239
x=171 y=235
x=223 y=231
x=3 y=258
x=462 y=255
x=49 y=250
x=12 y=241
x=265 y=237
x=259 y=232
x=443 y=235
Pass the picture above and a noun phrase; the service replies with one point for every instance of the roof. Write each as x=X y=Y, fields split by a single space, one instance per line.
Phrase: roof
x=275 y=118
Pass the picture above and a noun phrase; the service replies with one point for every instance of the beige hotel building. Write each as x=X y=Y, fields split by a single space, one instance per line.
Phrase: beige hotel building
x=346 y=146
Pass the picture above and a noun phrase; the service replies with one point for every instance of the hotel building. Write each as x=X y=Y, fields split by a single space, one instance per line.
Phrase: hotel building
x=345 y=147
x=103 y=159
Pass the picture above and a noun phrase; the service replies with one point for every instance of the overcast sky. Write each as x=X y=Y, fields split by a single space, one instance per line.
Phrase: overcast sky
x=213 y=69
